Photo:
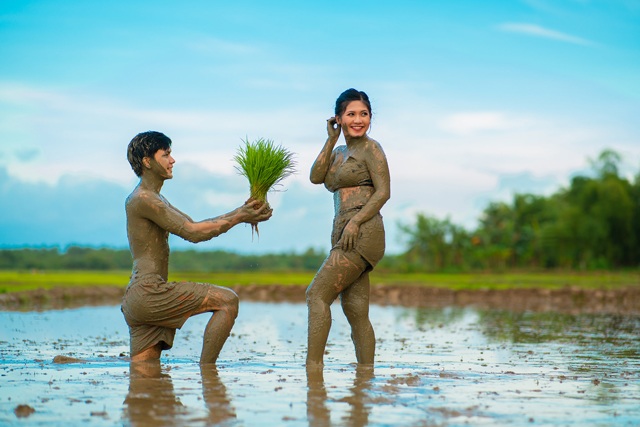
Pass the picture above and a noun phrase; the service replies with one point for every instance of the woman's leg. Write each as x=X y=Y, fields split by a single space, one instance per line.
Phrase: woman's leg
x=355 y=305
x=337 y=272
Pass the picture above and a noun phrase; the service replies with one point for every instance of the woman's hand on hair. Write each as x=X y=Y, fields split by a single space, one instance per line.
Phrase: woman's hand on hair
x=333 y=128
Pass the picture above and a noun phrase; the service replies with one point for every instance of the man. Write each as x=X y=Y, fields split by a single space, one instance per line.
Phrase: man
x=154 y=308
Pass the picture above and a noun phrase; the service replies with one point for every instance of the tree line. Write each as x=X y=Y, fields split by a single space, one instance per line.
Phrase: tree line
x=594 y=223
x=85 y=258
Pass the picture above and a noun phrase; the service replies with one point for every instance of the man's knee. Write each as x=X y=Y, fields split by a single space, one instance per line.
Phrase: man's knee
x=229 y=302
x=222 y=299
x=233 y=304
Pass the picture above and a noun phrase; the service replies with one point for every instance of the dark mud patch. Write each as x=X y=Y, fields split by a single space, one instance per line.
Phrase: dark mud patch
x=63 y=360
x=23 y=411
x=566 y=300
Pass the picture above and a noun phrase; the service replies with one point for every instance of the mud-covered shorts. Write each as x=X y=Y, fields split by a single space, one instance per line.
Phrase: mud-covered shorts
x=154 y=309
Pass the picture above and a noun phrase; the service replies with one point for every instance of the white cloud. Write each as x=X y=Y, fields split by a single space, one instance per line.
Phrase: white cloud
x=538 y=31
x=65 y=129
x=471 y=122
x=21 y=94
x=443 y=163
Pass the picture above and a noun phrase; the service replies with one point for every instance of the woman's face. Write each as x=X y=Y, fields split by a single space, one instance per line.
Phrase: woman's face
x=355 y=120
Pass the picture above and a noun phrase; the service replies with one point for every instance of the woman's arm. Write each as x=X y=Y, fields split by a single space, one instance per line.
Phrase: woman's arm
x=321 y=165
x=379 y=170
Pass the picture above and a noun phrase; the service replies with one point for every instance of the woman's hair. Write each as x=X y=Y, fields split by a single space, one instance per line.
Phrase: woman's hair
x=351 y=95
x=145 y=144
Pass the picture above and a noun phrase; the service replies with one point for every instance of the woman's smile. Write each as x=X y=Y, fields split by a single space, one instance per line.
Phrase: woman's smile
x=355 y=120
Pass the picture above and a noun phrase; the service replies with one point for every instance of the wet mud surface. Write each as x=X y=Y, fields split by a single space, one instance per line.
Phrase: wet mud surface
x=435 y=366
x=567 y=300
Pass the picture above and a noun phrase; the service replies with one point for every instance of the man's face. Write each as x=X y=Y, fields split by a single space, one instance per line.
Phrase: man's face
x=162 y=163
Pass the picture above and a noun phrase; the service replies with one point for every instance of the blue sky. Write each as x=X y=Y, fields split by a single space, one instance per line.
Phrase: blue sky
x=472 y=102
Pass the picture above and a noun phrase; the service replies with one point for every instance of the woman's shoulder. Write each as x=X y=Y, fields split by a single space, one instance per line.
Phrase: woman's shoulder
x=373 y=142
x=374 y=145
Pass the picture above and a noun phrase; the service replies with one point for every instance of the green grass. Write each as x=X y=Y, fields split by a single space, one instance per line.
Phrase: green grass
x=16 y=281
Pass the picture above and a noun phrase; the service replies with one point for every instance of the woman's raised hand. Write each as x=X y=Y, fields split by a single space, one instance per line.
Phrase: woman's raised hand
x=333 y=128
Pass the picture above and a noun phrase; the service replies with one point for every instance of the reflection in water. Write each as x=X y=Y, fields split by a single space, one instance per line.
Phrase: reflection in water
x=318 y=413
x=544 y=327
x=430 y=317
x=360 y=406
x=614 y=334
x=152 y=401
x=215 y=396
x=596 y=352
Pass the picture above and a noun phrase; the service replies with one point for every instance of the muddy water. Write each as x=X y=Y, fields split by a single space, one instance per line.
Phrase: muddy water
x=434 y=367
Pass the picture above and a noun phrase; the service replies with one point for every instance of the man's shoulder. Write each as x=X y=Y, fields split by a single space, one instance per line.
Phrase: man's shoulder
x=140 y=196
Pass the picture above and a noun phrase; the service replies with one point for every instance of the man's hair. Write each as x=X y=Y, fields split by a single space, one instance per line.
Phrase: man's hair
x=145 y=144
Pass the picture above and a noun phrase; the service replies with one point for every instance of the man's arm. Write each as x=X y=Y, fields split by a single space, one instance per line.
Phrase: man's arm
x=187 y=217
x=209 y=228
x=175 y=222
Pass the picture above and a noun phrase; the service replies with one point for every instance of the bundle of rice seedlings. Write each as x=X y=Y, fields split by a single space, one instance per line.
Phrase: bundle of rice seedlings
x=265 y=165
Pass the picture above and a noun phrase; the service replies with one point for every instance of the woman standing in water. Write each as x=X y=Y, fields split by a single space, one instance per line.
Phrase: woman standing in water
x=358 y=176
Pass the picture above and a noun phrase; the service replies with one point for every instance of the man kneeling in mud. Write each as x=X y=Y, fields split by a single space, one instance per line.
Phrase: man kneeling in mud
x=154 y=308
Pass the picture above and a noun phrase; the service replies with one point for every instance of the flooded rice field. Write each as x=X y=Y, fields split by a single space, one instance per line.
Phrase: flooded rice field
x=434 y=367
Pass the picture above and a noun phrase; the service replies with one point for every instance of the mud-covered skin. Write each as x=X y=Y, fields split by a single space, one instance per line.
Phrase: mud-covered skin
x=358 y=175
x=150 y=220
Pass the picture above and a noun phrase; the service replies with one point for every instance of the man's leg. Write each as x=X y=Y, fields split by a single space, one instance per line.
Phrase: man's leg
x=223 y=302
x=152 y=353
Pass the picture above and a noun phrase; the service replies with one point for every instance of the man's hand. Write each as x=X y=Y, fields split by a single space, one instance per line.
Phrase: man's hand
x=255 y=211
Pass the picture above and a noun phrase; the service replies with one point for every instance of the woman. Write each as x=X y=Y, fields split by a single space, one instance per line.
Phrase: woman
x=358 y=176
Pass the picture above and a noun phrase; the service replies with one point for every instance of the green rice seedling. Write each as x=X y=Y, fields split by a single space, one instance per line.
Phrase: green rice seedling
x=265 y=165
